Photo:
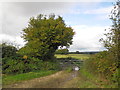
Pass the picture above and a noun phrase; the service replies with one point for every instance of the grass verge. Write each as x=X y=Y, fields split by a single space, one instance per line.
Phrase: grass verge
x=97 y=80
x=86 y=79
x=11 y=79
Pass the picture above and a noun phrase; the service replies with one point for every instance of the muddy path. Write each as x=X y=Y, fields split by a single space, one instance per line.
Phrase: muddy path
x=56 y=80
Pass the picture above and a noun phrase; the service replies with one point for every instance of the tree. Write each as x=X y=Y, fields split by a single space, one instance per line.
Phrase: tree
x=8 y=50
x=112 y=43
x=77 y=52
x=44 y=35
x=106 y=63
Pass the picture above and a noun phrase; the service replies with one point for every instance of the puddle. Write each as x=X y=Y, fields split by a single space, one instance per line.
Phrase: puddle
x=74 y=74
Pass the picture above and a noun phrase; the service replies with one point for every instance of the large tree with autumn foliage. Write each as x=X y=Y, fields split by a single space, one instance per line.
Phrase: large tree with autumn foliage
x=44 y=35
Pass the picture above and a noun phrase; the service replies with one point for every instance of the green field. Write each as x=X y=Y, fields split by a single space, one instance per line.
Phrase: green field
x=76 y=56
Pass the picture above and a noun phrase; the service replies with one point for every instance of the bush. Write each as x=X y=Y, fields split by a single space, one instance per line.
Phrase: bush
x=104 y=65
x=20 y=65
x=32 y=64
x=50 y=66
x=8 y=50
x=10 y=66
x=13 y=62
x=26 y=64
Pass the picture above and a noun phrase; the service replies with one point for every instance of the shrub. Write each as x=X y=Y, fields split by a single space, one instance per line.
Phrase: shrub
x=20 y=65
x=104 y=65
x=49 y=65
x=8 y=50
x=10 y=66
x=32 y=64
x=16 y=65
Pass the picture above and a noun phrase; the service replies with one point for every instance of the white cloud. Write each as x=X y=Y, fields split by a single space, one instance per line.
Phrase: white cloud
x=12 y=39
x=87 y=38
x=104 y=10
x=17 y=15
x=0 y=18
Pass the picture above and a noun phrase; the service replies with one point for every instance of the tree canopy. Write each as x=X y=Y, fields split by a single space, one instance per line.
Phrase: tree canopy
x=7 y=50
x=44 y=35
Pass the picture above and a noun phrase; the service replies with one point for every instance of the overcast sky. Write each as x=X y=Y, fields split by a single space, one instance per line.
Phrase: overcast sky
x=88 y=19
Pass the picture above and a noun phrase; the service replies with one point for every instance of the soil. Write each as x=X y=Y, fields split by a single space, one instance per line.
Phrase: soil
x=56 y=80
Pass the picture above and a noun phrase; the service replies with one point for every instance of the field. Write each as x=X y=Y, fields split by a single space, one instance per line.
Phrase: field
x=76 y=56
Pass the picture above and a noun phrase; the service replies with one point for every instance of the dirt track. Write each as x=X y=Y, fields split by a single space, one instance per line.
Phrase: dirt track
x=61 y=79
x=56 y=80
